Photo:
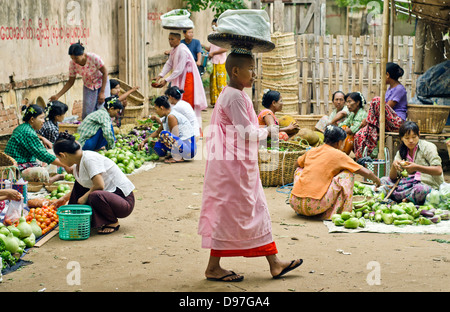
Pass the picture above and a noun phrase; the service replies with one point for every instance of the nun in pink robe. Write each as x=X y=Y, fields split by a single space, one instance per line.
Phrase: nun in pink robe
x=181 y=62
x=234 y=215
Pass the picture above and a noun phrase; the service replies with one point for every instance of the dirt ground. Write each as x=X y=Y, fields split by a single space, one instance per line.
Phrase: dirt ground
x=158 y=250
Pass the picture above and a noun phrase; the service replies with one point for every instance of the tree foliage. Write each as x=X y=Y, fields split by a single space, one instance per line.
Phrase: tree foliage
x=218 y=6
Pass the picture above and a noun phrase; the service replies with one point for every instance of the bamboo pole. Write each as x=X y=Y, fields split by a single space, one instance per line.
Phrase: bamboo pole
x=384 y=57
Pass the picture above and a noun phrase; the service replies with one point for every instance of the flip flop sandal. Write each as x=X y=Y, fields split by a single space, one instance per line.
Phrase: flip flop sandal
x=222 y=279
x=115 y=228
x=288 y=269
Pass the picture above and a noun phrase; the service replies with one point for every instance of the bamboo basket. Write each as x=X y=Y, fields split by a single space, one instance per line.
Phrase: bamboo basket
x=132 y=114
x=134 y=99
x=6 y=161
x=276 y=65
x=430 y=118
x=282 y=77
x=277 y=168
x=279 y=38
x=282 y=88
x=284 y=50
x=70 y=128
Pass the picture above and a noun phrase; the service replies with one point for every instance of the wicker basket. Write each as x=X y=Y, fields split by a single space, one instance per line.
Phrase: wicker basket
x=132 y=114
x=70 y=128
x=280 y=38
x=6 y=161
x=134 y=99
x=285 y=50
x=276 y=65
x=277 y=168
x=429 y=118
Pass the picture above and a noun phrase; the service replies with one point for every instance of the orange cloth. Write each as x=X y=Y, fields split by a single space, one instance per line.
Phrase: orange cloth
x=266 y=250
x=263 y=114
x=188 y=95
x=321 y=165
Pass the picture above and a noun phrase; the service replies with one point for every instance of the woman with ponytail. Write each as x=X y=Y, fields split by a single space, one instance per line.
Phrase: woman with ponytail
x=99 y=183
x=55 y=114
x=96 y=130
x=395 y=112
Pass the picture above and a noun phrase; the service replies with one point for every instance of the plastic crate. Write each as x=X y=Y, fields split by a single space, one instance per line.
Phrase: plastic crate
x=74 y=222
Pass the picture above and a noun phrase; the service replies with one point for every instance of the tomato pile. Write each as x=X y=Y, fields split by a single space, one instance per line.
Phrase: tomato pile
x=46 y=217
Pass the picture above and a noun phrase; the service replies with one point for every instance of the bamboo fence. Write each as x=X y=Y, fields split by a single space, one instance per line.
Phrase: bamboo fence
x=330 y=63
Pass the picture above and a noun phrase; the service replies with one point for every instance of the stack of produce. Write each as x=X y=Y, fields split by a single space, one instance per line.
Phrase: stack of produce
x=374 y=209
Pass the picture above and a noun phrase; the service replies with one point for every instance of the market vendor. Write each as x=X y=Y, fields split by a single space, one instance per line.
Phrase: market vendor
x=174 y=95
x=395 y=112
x=273 y=103
x=422 y=163
x=28 y=150
x=355 y=102
x=337 y=115
x=176 y=136
x=322 y=187
x=95 y=78
x=184 y=75
x=99 y=183
x=96 y=130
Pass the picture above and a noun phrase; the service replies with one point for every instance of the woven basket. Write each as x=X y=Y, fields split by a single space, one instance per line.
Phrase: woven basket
x=279 y=38
x=429 y=118
x=285 y=50
x=282 y=88
x=6 y=161
x=277 y=168
x=132 y=114
x=70 y=128
x=276 y=66
x=134 y=99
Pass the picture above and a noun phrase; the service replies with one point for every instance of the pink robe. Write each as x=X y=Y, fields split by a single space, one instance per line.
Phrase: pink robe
x=182 y=62
x=234 y=214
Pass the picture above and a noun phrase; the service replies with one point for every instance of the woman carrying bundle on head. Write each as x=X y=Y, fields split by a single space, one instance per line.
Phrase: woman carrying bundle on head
x=176 y=135
x=273 y=103
x=184 y=75
x=99 y=183
x=28 y=151
x=96 y=130
x=56 y=112
x=417 y=164
x=95 y=78
x=395 y=112
x=323 y=187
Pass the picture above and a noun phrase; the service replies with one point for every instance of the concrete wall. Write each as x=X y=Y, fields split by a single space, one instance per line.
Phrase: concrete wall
x=34 y=39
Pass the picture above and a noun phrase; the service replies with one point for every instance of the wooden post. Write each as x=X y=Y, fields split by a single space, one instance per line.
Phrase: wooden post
x=278 y=16
x=384 y=56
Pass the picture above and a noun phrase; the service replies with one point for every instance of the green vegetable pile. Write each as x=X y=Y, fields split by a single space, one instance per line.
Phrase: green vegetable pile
x=14 y=240
x=62 y=190
x=374 y=209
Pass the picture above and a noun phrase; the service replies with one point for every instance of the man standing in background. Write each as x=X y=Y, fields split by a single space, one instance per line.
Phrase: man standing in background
x=195 y=47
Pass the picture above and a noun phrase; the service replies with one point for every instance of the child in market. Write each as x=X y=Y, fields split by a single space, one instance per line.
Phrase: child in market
x=56 y=112
x=235 y=219
x=115 y=91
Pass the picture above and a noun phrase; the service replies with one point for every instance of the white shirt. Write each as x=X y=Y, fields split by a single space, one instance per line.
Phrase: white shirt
x=185 y=130
x=92 y=164
x=186 y=109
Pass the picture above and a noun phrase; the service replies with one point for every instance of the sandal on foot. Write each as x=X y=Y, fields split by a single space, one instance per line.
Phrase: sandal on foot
x=289 y=268
x=222 y=279
x=114 y=228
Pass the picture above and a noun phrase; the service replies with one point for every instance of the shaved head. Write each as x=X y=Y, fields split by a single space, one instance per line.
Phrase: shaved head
x=237 y=60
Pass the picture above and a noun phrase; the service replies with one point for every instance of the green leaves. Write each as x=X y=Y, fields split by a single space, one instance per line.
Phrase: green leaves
x=218 y=6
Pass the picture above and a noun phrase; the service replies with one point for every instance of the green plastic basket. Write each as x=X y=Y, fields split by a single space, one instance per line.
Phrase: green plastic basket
x=74 y=222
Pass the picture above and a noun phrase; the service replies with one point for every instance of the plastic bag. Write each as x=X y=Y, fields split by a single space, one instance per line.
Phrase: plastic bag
x=13 y=213
x=444 y=190
x=177 y=19
x=433 y=198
